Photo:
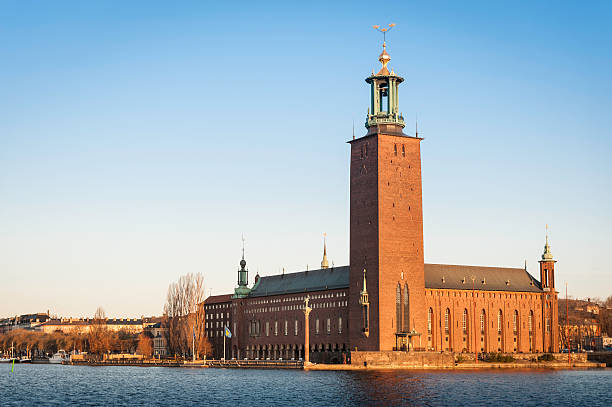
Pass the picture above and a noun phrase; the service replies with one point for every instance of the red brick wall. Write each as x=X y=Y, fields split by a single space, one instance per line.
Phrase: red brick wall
x=332 y=304
x=459 y=300
x=386 y=235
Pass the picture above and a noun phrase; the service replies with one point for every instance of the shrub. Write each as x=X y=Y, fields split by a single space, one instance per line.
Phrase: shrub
x=498 y=358
x=547 y=357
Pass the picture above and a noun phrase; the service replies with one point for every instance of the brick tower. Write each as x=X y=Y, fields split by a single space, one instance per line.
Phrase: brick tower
x=550 y=312
x=386 y=226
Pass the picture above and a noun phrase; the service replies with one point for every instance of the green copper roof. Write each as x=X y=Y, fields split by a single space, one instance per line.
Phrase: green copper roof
x=304 y=281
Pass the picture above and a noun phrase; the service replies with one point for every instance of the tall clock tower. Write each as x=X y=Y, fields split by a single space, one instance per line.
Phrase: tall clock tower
x=386 y=225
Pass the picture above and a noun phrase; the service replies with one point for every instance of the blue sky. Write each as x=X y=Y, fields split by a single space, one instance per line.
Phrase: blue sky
x=139 y=140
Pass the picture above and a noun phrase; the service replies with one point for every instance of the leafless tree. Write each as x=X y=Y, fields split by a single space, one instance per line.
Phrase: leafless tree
x=145 y=345
x=99 y=336
x=185 y=314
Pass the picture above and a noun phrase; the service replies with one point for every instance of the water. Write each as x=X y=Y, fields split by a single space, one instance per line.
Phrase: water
x=84 y=385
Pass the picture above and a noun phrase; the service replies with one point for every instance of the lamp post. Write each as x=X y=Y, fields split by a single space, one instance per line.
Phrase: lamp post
x=307 y=310
x=473 y=277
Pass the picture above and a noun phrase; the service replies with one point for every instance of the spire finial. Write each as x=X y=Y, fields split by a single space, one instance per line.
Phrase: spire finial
x=243 y=246
x=547 y=255
x=243 y=261
x=384 y=58
x=324 y=262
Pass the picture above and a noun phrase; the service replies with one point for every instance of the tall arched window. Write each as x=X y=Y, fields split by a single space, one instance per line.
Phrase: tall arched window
x=398 y=309
x=499 y=322
x=482 y=322
x=403 y=151
x=464 y=321
x=515 y=322
x=395 y=149
x=446 y=314
x=429 y=317
x=406 y=325
x=530 y=322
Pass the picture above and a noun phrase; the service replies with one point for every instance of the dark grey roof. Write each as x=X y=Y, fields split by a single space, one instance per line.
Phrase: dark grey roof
x=313 y=280
x=487 y=278
x=447 y=276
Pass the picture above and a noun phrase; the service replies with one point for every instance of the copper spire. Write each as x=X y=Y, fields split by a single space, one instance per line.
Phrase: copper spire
x=324 y=262
x=384 y=59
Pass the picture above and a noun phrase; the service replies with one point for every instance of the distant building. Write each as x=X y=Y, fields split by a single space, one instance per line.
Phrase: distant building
x=26 y=321
x=83 y=325
x=160 y=342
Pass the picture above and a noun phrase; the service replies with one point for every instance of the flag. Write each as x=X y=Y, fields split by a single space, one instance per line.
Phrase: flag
x=227 y=332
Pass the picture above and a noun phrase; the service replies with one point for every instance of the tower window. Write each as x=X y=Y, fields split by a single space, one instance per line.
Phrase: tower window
x=395 y=149
x=403 y=151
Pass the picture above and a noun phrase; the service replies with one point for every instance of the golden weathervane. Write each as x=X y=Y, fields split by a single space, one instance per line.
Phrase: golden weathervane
x=384 y=30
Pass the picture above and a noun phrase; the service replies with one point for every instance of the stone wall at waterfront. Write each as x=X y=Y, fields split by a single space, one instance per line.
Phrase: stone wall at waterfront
x=403 y=359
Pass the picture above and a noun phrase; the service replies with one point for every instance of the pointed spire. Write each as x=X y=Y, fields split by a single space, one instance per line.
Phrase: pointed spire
x=547 y=255
x=324 y=262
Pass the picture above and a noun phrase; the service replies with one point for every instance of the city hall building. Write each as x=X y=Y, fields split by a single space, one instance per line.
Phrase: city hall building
x=387 y=299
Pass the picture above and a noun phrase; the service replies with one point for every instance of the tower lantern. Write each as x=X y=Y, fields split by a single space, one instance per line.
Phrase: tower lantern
x=384 y=96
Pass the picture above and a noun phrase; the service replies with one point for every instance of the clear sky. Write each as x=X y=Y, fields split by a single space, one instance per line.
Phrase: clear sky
x=139 y=140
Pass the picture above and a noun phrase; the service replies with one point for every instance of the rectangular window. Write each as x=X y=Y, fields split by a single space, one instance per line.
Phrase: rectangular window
x=286 y=327
x=547 y=325
x=317 y=326
x=275 y=328
x=296 y=327
x=267 y=328
x=328 y=325
x=339 y=325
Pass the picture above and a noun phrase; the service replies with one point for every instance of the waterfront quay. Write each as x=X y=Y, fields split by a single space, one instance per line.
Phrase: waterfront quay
x=379 y=361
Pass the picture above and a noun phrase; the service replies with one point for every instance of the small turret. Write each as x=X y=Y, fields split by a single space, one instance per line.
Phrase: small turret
x=242 y=290
x=547 y=267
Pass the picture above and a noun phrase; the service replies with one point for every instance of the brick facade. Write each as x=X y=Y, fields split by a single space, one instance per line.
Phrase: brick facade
x=410 y=305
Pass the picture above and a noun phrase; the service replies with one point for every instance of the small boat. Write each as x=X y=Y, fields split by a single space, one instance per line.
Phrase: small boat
x=24 y=360
x=59 y=357
x=5 y=360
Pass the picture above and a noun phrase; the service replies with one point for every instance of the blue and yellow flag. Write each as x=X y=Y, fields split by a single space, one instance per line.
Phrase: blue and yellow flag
x=227 y=332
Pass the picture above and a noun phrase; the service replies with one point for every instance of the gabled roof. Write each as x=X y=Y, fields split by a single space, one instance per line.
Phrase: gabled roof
x=486 y=278
x=304 y=281
x=217 y=299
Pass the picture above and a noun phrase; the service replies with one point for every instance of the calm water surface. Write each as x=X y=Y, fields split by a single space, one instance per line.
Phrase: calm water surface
x=84 y=385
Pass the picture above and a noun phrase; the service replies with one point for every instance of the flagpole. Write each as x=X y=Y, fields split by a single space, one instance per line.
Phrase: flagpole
x=224 y=343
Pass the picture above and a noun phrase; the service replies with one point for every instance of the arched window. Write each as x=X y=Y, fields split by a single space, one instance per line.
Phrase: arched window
x=339 y=325
x=394 y=149
x=499 y=322
x=403 y=151
x=530 y=322
x=482 y=321
x=464 y=321
x=429 y=317
x=406 y=324
x=446 y=313
x=515 y=322
x=398 y=309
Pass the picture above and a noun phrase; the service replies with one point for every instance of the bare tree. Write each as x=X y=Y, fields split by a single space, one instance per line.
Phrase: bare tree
x=99 y=336
x=145 y=345
x=185 y=314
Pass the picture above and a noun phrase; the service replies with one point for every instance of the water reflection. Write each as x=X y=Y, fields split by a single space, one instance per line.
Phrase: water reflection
x=81 y=385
